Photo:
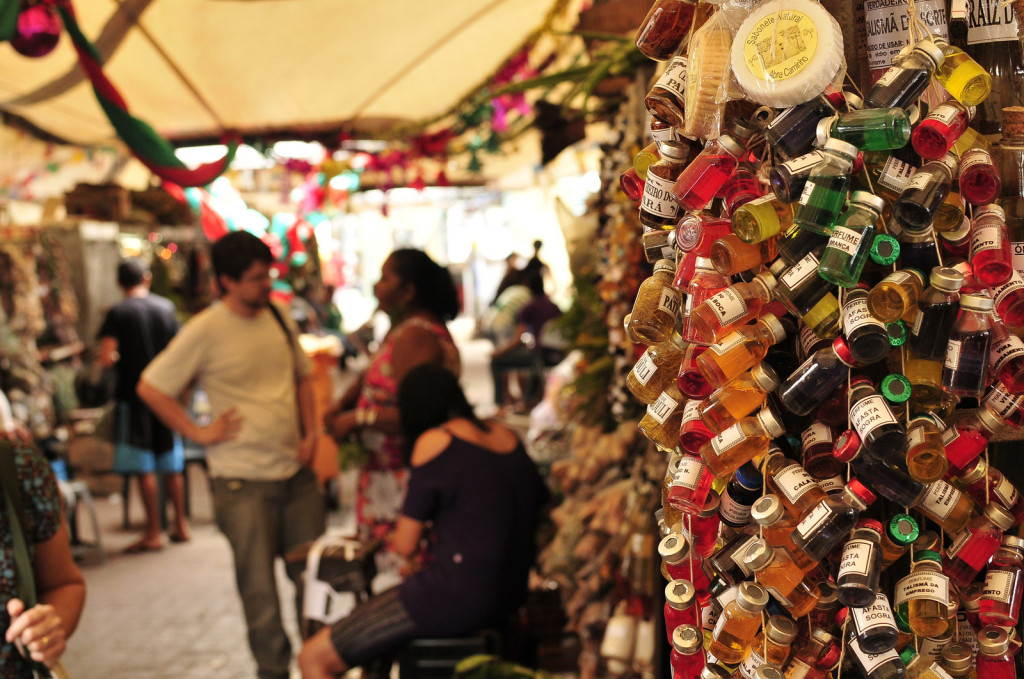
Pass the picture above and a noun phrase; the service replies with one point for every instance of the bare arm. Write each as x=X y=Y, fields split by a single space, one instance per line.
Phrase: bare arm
x=311 y=428
x=108 y=352
x=172 y=413
x=405 y=539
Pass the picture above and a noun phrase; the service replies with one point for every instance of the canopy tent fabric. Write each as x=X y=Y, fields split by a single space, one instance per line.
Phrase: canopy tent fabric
x=195 y=68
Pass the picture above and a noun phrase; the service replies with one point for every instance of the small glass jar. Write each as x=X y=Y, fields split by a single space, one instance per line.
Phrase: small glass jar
x=666 y=100
x=702 y=179
x=656 y=307
x=659 y=209
x=664 y=28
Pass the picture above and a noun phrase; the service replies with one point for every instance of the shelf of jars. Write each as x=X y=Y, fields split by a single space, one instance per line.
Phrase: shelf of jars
x=832 y=331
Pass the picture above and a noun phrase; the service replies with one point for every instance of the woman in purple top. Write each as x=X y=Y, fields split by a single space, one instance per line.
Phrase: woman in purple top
x=481 y=495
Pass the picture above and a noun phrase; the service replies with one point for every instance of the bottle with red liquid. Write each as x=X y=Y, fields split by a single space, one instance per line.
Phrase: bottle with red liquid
x=706 y=283
x=659 y=209
x=965 y=371
x=693 y=433
x=966 y=439
x=994 y=659
x=983 y=483
x=974 y=546
x=691 y=381
x=742 y=188
x=664 y=28
x=682 y=562
x=632 y=185
x=680 y=606
x=991 y=256
x=695 y=233
x=1009 y=300
x=717 y=311
x=1005 y=405
x=687 y=657
x=1004 y=585
x=690 y=486
x=701 y=529
x=935 y=135
x=979 y=178
x=704 y=177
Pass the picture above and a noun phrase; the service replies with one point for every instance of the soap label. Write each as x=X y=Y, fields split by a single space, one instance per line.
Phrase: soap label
x=781 y=45
x=887 y=27
x=991 y=21
x=658 y=199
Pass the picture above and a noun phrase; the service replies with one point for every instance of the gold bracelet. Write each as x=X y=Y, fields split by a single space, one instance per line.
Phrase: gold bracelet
x=360 y=417
x=371 y=417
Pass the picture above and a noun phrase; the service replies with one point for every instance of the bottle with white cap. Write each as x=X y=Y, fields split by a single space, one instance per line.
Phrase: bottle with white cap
x=850 y=243
x=738 y=624
x=742 y=442
x=740 y=350
x=994 y=658
x=737 y=399
x=925 y=193
x=975 y=545
x=826 y=190
x=687 y=657
x=906 y=81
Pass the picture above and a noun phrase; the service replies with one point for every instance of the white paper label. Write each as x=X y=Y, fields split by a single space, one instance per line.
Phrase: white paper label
x=691 y=411
x=938 y=669
x=728 y=439
x=730 y=341
x=952 y=355
x=1018 y=257
x=662 y=408
x=868 y=413
x=949 y=435
x=871 y=661
x=807 y=340
x=803 y=163
x=797 y=669
x=1002 y=403
x=1006 y=492
x=814 y=520
x=664 y=134
x=886 y=27
x=895 y=174
x=748 y=667
x=944 y=113
x=1006 y=349
x=645 y=368
x=919 y=180
x=674 y=77
x=732 y=512
x=959 y=540
x=878 y=614
x=930 y=586
x=658 y=198
x=856 y=315
x=737 y=556
x=800 y=272
x=833 y=484
x=1008 y=288
x=817 y=433
x=939 y=500
x=888 y=77
x=986 y=238
x=793 y=482
x=669 y=301
x=856 y=559
x=988 y=21
x=998 y=585
x=974 y=157
x=728 y=306
x=689 y=472
x=845 y=240
x=916 y=328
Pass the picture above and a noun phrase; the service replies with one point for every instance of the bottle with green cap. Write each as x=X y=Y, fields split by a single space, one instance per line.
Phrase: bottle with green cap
x=885 y=249
x=866 y=335
x=895 y=296
x=926 y=453
x=924 y=595
x=899 y=333
x=900 y=532
x=895 y=388
x=847 y=251
x=965 y=370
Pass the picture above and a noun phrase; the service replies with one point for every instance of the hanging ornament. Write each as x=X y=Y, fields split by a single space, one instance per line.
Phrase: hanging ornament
x=37 y=32
x=474 y=162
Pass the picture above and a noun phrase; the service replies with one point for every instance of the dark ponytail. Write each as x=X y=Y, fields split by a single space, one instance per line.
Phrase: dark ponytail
x=435 y=290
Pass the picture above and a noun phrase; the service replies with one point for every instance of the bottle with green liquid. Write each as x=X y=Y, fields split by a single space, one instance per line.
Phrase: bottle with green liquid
x=825 y=192
x=847 y=251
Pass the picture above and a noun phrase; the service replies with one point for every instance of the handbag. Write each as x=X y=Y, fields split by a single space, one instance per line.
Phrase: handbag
x=22 y=561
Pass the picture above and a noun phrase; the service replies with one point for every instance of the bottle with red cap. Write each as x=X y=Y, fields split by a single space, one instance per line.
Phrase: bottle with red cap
x=888 y=478
x=1006 y=358
x=935 y=135
x=742 y=442
x=860 y=565
x=817 y=378
x=976 y=544
x=964 y=440
x=717 y=312
x=983 y=483
x=1004 y=585
x=828 y=523
x=737 y=399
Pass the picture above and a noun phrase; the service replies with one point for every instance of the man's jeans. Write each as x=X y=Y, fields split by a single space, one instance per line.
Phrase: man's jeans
x=263 y=520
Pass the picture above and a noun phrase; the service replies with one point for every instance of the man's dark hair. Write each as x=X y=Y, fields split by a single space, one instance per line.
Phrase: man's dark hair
x=534 y=280
x=131 y=272
x=428 y=396
x=435 y=290
x=234 y=253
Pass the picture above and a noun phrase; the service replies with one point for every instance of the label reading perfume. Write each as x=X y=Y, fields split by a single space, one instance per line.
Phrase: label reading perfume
x=930 y=586
x=939 y=500
x=730 y=341
x=662 y=408
x=728 y=439
x=886 y=27
x=952 y=355
x=991 y=21
x=1002 y=403
x=814 y=520
x=669 y=301
x=1006 y=493
x=728 y=306
x=816 y=434
x=793 y=482
x=800 y=272
x=998 y=585
x=895 y=174
x=674 y=78
x=845 y=240
x=644 y=369
x=856 y=559
x=986 y=238
x=856 y=315
x=878 y=614
x=869 y=413
x=689 y=472
x=658 y=199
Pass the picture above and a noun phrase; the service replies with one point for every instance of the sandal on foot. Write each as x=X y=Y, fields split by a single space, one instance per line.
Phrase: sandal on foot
x=141 y=546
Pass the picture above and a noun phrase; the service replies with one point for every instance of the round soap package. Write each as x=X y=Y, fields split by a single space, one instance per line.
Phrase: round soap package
x=787 y=52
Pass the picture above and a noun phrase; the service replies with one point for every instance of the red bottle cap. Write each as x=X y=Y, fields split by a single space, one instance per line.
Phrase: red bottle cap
x=842 y=349
x=860 y=379
x=830 y=656
x=841 y=616
x=858 y=163
x=872 y=524
x=846 y=446
x=861 y=491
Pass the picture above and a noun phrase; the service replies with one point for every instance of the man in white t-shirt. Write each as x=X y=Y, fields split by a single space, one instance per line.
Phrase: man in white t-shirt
x=266 y=500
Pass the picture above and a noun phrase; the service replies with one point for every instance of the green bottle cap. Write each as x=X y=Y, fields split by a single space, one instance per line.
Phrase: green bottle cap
x=903 y=529
x=898 y=333
x=896 y=388
x=907 y=654
x=885 y=250
x=928 y=555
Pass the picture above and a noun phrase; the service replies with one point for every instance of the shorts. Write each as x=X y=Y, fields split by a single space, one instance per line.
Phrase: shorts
x=374 y=629
x=129 y=459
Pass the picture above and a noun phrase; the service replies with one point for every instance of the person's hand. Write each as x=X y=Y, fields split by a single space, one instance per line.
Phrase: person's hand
x=340 y=424
x=224 y=428
x=39 y=631
x=318 y=659
x=307 y=447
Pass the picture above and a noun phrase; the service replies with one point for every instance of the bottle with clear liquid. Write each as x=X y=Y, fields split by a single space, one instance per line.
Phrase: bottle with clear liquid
x=771 y=646
x=742 y=442
x=901 y=530
x=740 y=350
x=905 y=82
x=895 y=296
x=926 y=453
x=936 y=134
x=947 y=506
x=762 y=219
x=938 y=309
x=705 y=284
x=875 y=625
x=880 y=432
x=828 y=523
x=731 y=256
x=976 y=544
x=702 y=179
x=850 y=243
x=725 y=311
x=781 y=577
x=925 y=193
x=867 y=337
x=979 y=178
x=737 y=399
x=787 y=479
x=789 y=178
x=993 y=42
x=962 y=76
x=656 y=369
x=860 y=565
x=995 y=661
x=661 y=423
x=924 y=595
x=825 y=192
x=738 y=624
x=965 y=371
x=868 y=129
x=656 y=307
x=816 y=378
x=1004 y=585
x=991 y=254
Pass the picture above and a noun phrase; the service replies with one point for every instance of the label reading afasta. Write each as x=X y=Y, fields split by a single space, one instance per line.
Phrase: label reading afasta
x=870 y=662
x=878 y=614
x=645 y=368
x=856 y=558
x=991 y=21
x=781 y=45
x=845 y=240
x=674 y=78
x=669 y=301
x=895 y=174
x=856 y=315
x=728 y=307
x=662 y=408
x=887 y=27
x=658 y=199
x=868 y=413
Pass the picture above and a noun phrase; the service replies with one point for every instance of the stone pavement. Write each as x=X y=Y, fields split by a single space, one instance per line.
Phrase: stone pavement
x=175 y=613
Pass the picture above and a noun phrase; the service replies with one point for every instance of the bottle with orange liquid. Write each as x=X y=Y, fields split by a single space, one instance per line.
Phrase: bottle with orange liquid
x=740 y=350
